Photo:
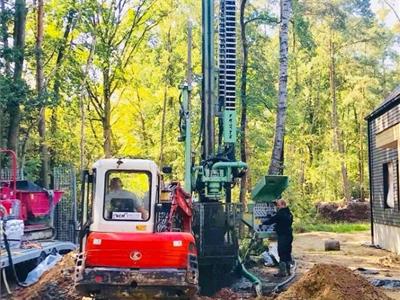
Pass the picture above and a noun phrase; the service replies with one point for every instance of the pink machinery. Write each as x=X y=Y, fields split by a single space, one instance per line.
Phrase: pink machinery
x=27 y=201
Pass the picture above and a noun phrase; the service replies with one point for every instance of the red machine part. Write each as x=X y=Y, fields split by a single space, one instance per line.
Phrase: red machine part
x=8 y=189
x=30 y=203
x=153 y=250
x=13 y=158
x=181 y=203
x=38 y=204
x=139 y=250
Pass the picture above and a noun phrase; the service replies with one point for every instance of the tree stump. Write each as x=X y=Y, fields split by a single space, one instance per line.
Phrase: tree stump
x=332 y=245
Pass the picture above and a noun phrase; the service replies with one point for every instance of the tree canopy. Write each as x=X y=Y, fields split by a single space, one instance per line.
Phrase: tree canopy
x=110 y=71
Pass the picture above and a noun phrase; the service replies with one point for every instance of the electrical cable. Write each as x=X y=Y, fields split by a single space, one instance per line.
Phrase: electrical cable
x=3 y=272
x=10 y=261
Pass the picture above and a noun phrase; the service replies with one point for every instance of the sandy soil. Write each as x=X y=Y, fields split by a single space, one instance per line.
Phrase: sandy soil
x=308 y=249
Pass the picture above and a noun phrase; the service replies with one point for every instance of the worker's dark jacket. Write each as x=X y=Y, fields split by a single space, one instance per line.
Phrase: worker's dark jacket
x=283 y=220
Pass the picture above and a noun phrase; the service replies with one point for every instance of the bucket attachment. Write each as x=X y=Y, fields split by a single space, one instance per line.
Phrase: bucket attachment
x=269 y=188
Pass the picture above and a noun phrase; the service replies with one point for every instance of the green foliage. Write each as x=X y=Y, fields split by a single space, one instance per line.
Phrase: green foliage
x=302 y=226
x=12 y=91
x=148 y=73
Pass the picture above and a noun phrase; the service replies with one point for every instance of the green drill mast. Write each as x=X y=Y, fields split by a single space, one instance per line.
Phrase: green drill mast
x=212 y=177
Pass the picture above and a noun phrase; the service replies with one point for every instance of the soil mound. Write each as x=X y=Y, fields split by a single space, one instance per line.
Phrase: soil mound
x=390 y=260
x=57 y=283
x=332 y=282
x=349 y=212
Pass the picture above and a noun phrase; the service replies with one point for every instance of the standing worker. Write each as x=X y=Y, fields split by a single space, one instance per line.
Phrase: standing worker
x=283 y=220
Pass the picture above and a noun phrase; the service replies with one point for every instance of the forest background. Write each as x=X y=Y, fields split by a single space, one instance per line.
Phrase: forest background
x=84 y=79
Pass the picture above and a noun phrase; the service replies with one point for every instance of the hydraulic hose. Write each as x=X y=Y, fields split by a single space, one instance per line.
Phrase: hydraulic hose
x=256 y=282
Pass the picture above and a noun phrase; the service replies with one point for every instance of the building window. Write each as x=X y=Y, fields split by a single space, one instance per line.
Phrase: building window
x=388 y=184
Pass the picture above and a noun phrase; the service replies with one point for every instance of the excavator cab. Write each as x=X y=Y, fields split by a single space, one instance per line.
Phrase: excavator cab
x=124 y=250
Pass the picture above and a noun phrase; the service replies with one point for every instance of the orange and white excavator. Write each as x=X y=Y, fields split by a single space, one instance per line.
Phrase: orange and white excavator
x=137 y=237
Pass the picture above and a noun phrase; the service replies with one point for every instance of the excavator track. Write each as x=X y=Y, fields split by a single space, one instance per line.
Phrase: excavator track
x=117 y=283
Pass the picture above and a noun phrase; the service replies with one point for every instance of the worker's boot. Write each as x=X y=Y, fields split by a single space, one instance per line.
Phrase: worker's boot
x=288 y=271
x=282 y=270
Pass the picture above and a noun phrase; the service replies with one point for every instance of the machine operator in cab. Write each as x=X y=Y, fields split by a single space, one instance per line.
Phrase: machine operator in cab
x=120 y=200
x=283 y=226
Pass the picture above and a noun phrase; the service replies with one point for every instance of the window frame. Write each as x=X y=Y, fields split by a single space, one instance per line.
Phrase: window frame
x=106 y=176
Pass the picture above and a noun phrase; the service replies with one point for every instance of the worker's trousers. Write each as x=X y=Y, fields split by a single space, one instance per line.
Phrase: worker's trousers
x=285 y=247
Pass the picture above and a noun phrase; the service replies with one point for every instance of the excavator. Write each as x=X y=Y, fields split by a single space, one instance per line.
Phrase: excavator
x=141 y=236
x=137 y=237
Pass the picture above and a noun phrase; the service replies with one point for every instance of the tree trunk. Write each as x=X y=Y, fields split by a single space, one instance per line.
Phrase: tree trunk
x=337 y=138
x=164 y=112
x=57 y=84
x=1 y=126
x=13 y=107
x=243 y=97
x=107 y=114
x=82 y=105
x=169 y=82
x=147 y=140
x=276 y=165
x=52 y=132
x=4 y=32
x=60 y=55
x=44 y=171
x=82 y=153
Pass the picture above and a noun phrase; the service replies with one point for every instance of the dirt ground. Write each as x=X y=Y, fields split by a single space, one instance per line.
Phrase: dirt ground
x=308 y=249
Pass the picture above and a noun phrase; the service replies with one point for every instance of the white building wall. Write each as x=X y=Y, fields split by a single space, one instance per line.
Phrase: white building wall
x=387 y=237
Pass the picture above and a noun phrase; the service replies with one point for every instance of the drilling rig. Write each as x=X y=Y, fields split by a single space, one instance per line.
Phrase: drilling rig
x=216 y=218
x=139 y=241
x=212 y=177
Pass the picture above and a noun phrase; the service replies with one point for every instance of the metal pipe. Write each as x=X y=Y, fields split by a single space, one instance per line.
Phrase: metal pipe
x=188 y=139
x=186 y=90
x=208 y=84
x=370 y=181
x=13 y=158
x=229 y=164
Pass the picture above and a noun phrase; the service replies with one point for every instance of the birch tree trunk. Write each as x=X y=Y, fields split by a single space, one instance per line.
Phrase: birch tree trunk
x=243 y=98
x=337 y=137
x=276 y=164
x=13 y=108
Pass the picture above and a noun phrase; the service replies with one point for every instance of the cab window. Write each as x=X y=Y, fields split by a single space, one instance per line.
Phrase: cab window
x=127 y=196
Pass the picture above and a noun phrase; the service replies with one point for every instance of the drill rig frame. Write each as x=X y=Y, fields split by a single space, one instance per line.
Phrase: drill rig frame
x=216 y=218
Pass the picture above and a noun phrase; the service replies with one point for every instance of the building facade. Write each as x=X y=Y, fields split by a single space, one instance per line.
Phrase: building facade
x=384 y=150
